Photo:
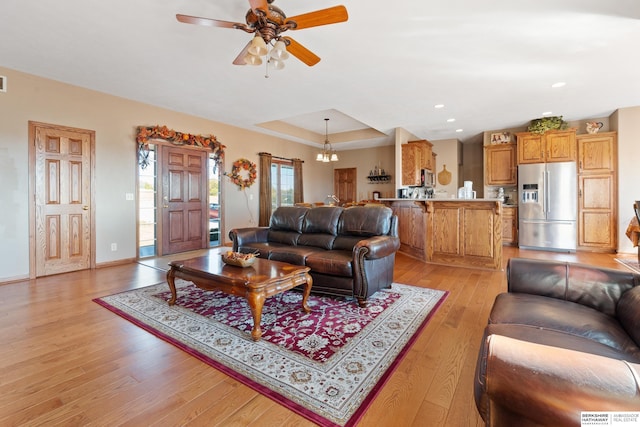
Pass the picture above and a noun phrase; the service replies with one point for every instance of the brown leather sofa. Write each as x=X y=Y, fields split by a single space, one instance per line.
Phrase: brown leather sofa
x=351 y=251
x=564 y=339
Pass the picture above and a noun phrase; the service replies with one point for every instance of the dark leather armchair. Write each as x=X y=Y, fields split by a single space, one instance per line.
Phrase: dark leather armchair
x=565 y=338
x=351 y=251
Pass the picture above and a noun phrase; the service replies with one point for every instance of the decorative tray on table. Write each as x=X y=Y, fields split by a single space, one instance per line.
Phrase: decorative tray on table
x=238 y=259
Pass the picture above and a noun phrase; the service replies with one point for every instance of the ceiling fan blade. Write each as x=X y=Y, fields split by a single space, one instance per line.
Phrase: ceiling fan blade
x=240 y=58
x=259 y=4
x=301 y=52
x=331 y=15
x=208 y=22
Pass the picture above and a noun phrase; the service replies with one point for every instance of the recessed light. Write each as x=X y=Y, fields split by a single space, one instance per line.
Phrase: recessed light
x=547 y=113
x=438 y=106
x=558 y=84
x=451 y=120
x=459 y=130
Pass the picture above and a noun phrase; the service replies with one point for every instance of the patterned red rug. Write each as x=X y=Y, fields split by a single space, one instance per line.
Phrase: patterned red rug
x=327 y=365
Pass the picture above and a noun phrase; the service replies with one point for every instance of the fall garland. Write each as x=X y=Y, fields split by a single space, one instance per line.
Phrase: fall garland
x=240 y=165
x=145 y=133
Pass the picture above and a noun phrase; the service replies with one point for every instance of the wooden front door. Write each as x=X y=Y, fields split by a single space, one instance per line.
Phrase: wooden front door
x=183 y=199
x=63 y=220
x=344 y=184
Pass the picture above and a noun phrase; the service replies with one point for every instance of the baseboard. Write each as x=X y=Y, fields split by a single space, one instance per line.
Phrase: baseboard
x=115 y=263
x=8 y=280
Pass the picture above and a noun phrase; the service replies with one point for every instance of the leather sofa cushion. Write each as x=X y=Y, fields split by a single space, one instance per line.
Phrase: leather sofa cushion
x=263 y=249
x=284 y=237
x=335 y=262
x=562 y=316
x=293 y=254
x=288 y=218
x=345 y=243
x=628 y=312
x=323 y=219
x=365 y=221
x=323 y=241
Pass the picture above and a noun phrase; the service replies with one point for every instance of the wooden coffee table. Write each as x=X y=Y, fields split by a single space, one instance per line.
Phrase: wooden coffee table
x=255 y=283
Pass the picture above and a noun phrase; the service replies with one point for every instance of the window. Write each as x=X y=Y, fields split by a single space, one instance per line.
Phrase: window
x=147 y=215
x=214 y=202
x=281 y=183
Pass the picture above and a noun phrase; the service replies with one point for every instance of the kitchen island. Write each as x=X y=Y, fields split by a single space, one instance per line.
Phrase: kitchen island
x=462 y=232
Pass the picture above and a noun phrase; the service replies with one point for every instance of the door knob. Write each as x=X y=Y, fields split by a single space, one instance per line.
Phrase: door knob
x=85 y=208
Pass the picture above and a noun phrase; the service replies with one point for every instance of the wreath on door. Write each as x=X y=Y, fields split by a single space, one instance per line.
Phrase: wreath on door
x=238 y=172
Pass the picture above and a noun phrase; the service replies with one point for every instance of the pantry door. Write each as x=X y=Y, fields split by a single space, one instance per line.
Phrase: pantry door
x=344 y=184
x=62 y=213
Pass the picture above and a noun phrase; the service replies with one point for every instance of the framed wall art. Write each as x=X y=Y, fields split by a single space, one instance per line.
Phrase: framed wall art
x=500 y=138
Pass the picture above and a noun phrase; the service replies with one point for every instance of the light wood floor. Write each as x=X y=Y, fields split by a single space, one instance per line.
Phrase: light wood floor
x=67 y=361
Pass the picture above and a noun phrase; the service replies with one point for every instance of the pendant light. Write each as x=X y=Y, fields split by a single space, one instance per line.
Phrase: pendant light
x=327 y=154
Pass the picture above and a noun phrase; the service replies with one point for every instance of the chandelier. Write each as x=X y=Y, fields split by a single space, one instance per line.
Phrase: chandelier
x=327 y=154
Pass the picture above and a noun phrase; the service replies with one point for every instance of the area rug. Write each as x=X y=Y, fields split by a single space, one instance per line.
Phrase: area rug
x=327 y=365
x=630 y=263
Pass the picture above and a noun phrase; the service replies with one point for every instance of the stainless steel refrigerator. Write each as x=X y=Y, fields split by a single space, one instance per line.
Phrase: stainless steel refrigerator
x=547 y=206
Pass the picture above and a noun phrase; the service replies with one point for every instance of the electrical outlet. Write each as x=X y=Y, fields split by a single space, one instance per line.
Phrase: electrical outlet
x=114 y=247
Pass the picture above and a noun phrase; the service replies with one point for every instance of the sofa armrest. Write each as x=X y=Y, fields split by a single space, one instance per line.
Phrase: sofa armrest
x=376 y=247
x=242 y=236
x=536 y=384
x=595 y=287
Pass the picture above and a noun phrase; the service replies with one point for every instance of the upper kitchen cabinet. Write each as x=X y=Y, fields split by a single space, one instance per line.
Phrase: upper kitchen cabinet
x=416 y=155
x=597 y=152
x=551 y=146
x=500 y=167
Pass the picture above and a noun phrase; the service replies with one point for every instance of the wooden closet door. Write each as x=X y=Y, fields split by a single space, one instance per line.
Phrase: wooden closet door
x=62 y=172
x=344 y=184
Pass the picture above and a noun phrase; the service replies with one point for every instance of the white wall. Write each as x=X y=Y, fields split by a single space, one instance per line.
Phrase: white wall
x=627 y=122
x=447 y=151
x=115 y=121
x=365 y=160
x=402 y=137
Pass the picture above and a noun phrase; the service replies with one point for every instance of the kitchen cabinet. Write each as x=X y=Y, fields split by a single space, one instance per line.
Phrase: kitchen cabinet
x=411 y=227
x=500 y=164
x=416 y=155
x=509 y=225
x=597 y=192
x=551 y=146
x=464 y=233
x=597 y=152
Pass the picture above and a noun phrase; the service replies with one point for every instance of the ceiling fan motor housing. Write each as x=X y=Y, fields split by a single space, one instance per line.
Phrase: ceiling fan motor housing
x=270 y=25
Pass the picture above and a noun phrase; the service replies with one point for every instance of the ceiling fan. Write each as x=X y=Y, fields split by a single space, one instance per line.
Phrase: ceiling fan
x=268 y=22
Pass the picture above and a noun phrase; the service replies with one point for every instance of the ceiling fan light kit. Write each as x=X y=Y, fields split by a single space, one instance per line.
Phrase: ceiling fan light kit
x=267 y=22
x=279 y=51
x=258 y=46
x=250 y=59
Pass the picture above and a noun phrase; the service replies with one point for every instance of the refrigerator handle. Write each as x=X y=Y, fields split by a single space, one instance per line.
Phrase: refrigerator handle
x=547 y=191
